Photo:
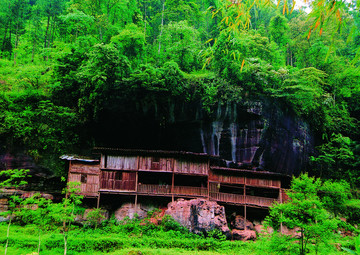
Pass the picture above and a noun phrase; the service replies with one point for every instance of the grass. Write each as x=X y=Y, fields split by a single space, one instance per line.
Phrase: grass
x=133 y=239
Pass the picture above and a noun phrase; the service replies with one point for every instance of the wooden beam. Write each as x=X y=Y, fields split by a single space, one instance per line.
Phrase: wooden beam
x=245 y=199
x=98 y=201
x=173 y=178
x=136 y=189
x=280 y=199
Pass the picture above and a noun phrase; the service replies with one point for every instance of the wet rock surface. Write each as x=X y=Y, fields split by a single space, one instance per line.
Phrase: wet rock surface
x=243 y=235
x=199 y=215
x=129 y=210
x=241 y=223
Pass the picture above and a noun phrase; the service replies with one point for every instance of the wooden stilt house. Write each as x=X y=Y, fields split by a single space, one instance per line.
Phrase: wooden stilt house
x=175 y=175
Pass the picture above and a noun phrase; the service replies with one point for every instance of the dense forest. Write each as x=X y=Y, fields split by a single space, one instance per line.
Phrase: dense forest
x=69 y=67
x=72 y=72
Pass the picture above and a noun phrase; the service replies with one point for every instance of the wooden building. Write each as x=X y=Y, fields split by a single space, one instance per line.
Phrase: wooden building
x=174 y=175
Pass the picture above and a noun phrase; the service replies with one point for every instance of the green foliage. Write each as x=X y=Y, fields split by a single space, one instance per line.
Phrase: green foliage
x=94 y=217
x=68 y=64
x=98 y=76
x=335 y=195
x=279 y=30
x=14 y=178
x=357 y=247
x=306 y=211
x=131 y=43
x=181 y=43
x=336 y=157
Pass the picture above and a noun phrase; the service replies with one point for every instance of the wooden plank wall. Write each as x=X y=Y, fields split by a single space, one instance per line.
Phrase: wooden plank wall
x=187 y=167
x=80 y=167
x=260 y=201
x=121 y=162
x=263 y=182
x=149 y=163
x=91 y=187
x=115 y=180
x=231 y=179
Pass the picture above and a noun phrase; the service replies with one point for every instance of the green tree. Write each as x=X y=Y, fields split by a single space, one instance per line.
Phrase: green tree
x=305 y=210
x=15 y=179
x=335 y=195
x=180 y=43
x=99 y=76
x=279 y=32
x=131 y=43
x=36 y=210
x=63 y=214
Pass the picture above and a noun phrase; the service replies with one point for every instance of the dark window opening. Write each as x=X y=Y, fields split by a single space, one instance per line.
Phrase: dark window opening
x=118 y=176
x=231 y=188
x=155 y=178
x=193 y=181
x=155 y=163
x=262 y=192
x=83 y=178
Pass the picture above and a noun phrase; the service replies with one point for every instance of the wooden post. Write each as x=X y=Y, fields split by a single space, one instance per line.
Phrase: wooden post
x=245 y=199
x=173 y=163
x=208 y=182
x=136 y=189
x=172 y=186
x=280 y=198
x=98 y=201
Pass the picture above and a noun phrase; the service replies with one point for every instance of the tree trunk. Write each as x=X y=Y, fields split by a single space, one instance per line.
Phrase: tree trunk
x=162 y=25
x=46 y=37
x=39 y=243
x=16 y=42
x=145 y=19
x=33 y=51
x=302 y=242
x=65 y=243
x=7 y=235
x=4 y=39
x=47 y=31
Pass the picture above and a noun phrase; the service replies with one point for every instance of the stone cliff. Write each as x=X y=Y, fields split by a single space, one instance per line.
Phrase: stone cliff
x=252 y=134
x=257 y=133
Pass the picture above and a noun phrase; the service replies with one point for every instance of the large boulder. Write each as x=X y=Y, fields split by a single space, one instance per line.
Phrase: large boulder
x=199 y=215
x=243 y=235
x=130 y=211
x=293 y=232
x=241 y=223
x=261 y=229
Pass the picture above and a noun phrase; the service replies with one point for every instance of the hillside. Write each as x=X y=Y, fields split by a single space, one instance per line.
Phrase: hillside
x=252 y=84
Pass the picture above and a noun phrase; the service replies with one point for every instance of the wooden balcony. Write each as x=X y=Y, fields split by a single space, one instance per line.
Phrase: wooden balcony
x=227 y=197
x=194 y=192
x=151 y=189
x=260 y=201
x=241 y=199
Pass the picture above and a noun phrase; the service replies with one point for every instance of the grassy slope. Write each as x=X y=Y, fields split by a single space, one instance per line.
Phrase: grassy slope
x=120 y=240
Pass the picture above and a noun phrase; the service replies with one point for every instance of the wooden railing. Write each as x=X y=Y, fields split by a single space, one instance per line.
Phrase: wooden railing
x=152 y=189
x=195 y=191
x=166 y=189
x=227 y=197
x=260 y=201
x=118 y=185
x=239 y=199
x=263 y=182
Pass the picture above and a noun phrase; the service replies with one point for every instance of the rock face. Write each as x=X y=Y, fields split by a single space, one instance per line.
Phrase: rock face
x=258 y=133
x=241 y=224
x=129 y=210
x=242 y=229
x=199 y=215
x=243 y=235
